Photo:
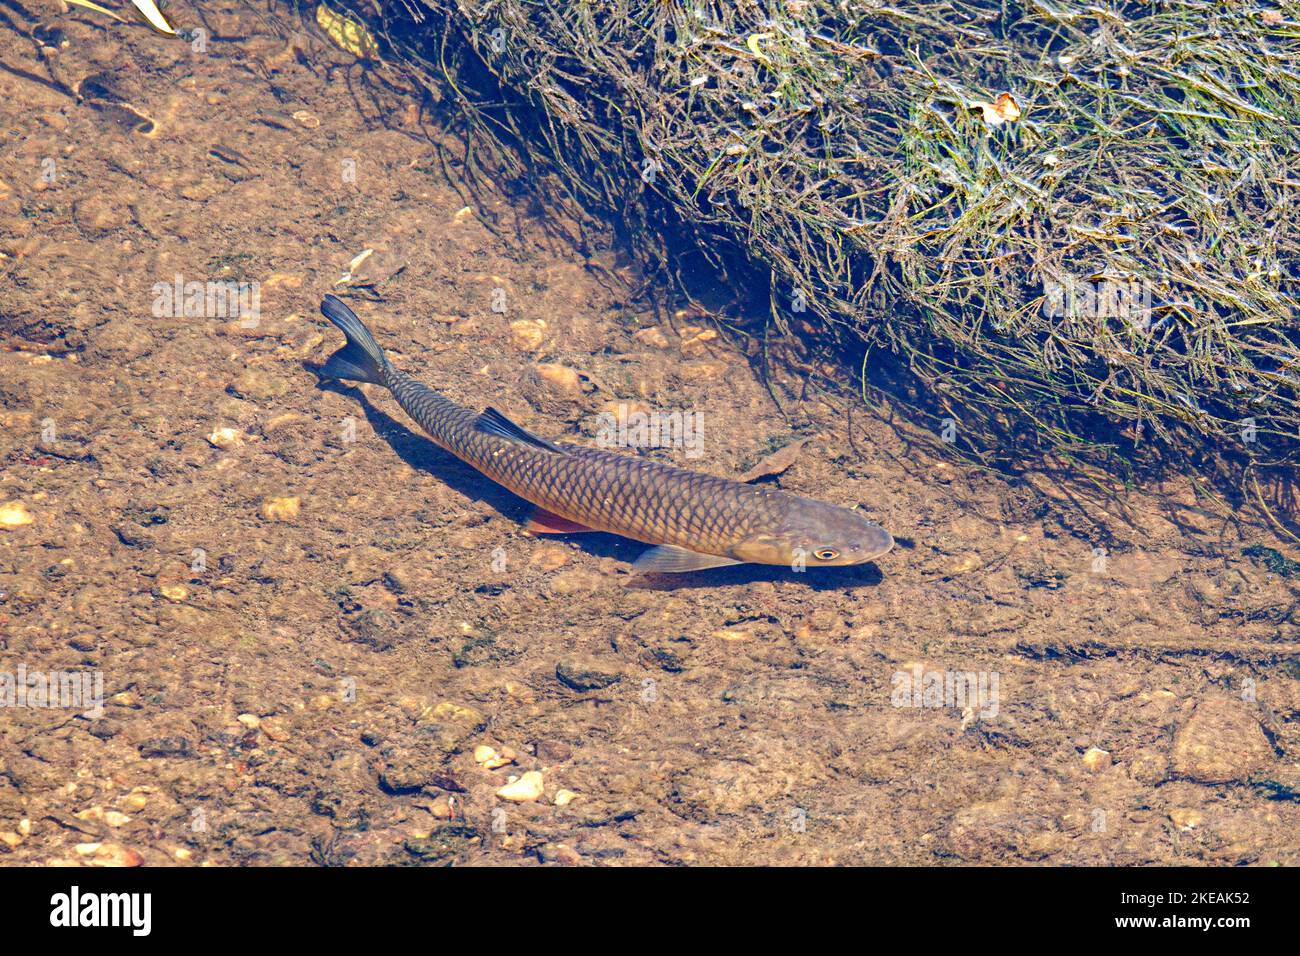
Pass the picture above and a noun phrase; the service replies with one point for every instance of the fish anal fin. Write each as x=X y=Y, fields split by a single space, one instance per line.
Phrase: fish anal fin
x=670 y=559
x=492 y=422
x=542 y=521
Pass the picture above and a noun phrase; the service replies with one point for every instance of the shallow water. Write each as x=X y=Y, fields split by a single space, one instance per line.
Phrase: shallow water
x=306 y=626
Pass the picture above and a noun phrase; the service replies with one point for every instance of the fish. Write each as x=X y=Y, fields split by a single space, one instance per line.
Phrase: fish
x=693 y=521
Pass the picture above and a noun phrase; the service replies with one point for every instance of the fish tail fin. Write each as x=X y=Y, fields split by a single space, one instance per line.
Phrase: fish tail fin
x=361 y=360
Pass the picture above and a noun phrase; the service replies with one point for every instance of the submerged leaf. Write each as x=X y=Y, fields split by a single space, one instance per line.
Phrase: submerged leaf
x=777 y=462
x=347 y=34
x=154 y=16
x=1002 y=110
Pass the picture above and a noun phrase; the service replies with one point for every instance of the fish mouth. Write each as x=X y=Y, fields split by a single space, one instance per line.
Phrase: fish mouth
x=881 y=543
x=886 y=544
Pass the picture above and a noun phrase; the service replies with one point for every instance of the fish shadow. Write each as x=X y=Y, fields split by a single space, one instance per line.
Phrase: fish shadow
x=421 y=452
x=816 y=579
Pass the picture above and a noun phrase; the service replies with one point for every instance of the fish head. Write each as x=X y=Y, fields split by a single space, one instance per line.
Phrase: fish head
x=814 y=533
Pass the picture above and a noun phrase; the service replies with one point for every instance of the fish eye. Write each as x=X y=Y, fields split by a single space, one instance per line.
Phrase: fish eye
x=826 y=554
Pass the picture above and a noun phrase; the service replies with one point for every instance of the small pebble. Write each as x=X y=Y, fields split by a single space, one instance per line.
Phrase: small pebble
x=1186 y=819
x=549 y=557
x=560 y=853
x=695 y=339
x=14 y=514
x=443 y=808
x=553 y=751
x=586 y=674
x=526 y=788
x=653 y=337
x=281 y=509
x=113 y=855
x=527 y=334
x=1096 y=759
x=490 y=759
x=560 y=379
x=225 y=437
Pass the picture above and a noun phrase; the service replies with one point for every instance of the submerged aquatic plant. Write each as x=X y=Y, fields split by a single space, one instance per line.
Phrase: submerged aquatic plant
x=1075 y=222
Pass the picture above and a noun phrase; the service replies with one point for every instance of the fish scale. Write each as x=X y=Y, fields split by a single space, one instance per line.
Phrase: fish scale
x=645 y=500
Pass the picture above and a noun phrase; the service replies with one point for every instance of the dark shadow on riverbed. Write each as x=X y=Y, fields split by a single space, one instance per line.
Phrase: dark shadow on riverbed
x=818 y=579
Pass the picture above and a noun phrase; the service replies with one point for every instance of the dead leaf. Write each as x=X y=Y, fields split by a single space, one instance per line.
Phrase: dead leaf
x=776 y=462
x=154 y=16
x=1004 y=109
x=347 y=33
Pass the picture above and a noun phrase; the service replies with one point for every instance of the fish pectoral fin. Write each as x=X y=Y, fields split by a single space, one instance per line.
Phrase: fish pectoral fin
x=542 y=521
x=670 y=559
x=492 y=422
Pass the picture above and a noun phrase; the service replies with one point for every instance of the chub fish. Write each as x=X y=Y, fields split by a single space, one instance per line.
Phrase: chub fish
x=694 y=520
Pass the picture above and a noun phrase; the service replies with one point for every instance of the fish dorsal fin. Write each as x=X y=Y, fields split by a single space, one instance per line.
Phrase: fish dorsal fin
x=670 y=559
x=492 y=422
